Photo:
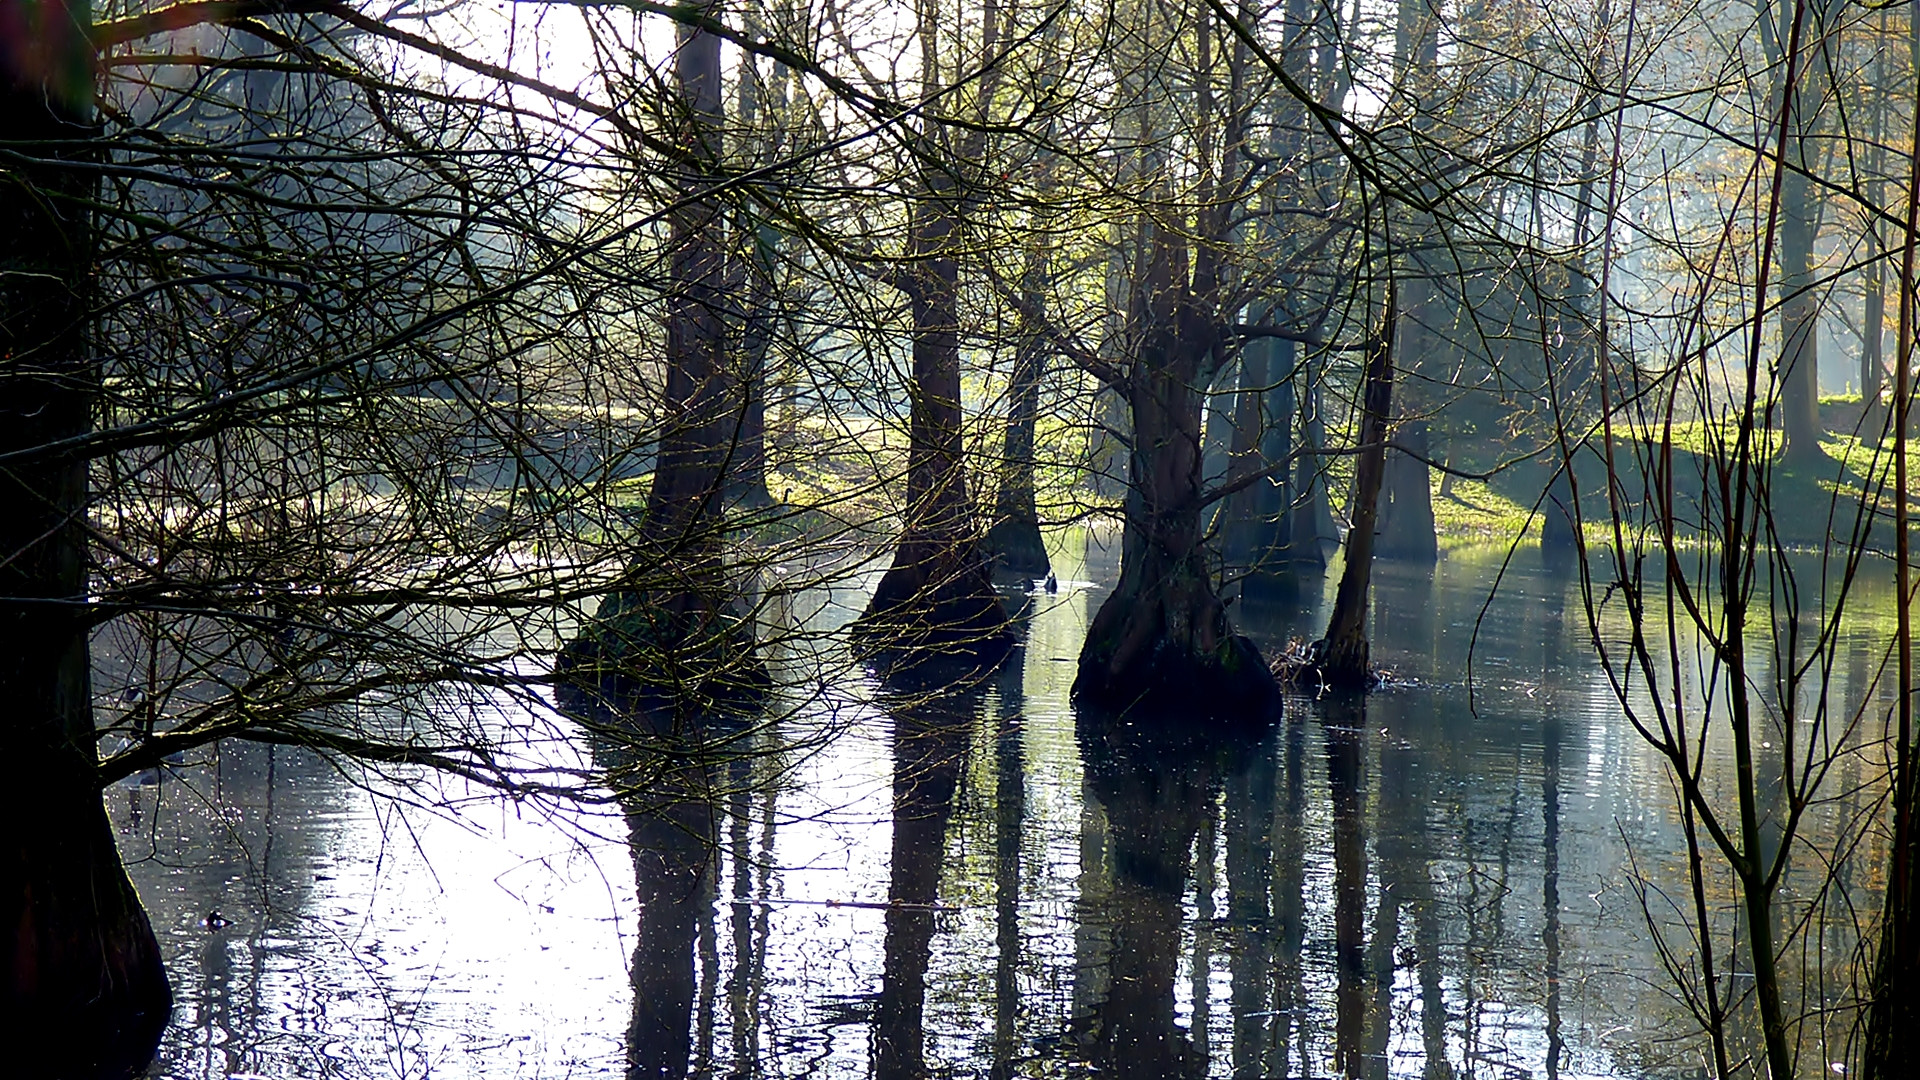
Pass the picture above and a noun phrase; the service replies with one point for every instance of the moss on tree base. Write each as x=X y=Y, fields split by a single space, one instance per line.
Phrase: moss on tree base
x=636 y=651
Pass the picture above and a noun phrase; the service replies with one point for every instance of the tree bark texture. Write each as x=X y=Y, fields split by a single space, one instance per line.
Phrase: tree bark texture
x=938 y=597
x=1342 y=657
x=85 y=995
x=1163 y=630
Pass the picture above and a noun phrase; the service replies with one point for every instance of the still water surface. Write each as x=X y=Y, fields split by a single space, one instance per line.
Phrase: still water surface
x=968 y=885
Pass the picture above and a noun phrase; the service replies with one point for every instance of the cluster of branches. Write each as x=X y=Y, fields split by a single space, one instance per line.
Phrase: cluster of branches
x=410 y=335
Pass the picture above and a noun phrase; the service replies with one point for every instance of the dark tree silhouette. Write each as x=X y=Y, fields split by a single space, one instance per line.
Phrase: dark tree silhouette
x=84 y=993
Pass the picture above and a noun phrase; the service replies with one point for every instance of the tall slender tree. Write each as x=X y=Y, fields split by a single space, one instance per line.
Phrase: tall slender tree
x=670 y=627
x=938 y=596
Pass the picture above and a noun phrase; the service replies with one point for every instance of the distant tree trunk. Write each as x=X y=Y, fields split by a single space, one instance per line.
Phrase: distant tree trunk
x=1799 y=321
x=1558 y=534
x=1014 y=540
x=1106 y=444
x=746 y=469
x=1343 y=651
x=1312 y=530
x=1407 y=528
x=1799 y=368
x=85 y=994
x=1873 y=363
x=759 y=248
x=1255 y=532
x=1406 y=523
x=1163 y=630
x=1219 y=431
x=1873 y=322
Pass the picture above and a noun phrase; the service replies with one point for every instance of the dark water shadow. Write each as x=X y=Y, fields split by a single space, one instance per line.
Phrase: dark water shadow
x=1155 y=786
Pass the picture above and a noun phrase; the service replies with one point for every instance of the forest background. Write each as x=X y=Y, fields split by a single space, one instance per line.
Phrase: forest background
x=364 y=364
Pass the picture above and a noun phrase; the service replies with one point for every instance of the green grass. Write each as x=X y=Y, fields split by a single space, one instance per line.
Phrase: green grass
x=1475 y=514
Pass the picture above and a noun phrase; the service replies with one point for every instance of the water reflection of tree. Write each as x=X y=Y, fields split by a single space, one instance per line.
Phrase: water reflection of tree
x=1367 y=960
x=930 y=737
x=1345 y=736
x=1010 y=807
x=673 y=827
x=1155 y=793
x=226 y=846
x=1250 y=858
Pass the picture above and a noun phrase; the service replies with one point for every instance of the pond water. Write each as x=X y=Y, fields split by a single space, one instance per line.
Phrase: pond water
x=970 y=884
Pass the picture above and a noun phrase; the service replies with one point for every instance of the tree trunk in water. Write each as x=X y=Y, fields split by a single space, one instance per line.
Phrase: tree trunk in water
x=1558 y=533
x=937 y=599
x=1014 y=540
x=1406 y=528
x=669 y=628
x=85 y=994
x=1163 y=630
x=1342 y=658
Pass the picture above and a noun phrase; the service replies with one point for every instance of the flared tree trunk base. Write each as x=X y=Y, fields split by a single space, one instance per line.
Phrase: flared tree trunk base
x=86 y=996
x=1015 y=549
x=1165 y=650
x=935 y=611
x=1230 y=683
x=683 y=653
